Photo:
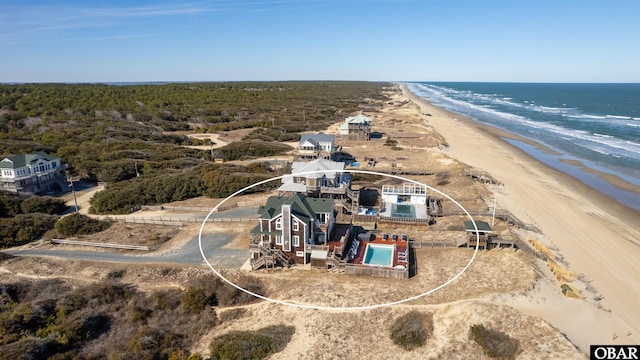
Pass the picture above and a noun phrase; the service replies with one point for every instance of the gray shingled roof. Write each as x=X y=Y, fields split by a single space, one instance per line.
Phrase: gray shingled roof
x=317 y=138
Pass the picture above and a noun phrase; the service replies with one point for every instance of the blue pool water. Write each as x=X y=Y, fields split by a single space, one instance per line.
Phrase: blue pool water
x=379 y=255
x=403 y=211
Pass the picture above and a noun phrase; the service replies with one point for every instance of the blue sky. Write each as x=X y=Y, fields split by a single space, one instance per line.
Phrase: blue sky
x=390 y=40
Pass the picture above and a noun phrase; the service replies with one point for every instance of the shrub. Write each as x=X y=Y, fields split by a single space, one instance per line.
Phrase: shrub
x=230 y=315
x=78 y=224
x=28 y=348
x=494 y=343
x=253 y=148
x=196 y=299
x=116 y=274
x=83 y=326
x=46 y=205
x=22 y=229
x=9 y=204
x=227 y=295
x=149 y=343
x=257 y=344
x=412 y=330
x=165 y=300
x=110 y=292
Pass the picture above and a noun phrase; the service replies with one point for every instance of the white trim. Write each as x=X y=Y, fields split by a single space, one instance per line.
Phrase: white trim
x=296 y=240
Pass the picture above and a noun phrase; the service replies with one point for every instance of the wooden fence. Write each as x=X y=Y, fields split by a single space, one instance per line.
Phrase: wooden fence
x=172 y=221
x=366 y=270
x=104 y=245
x=206 y=209
x=436 y=243
x=504 y=215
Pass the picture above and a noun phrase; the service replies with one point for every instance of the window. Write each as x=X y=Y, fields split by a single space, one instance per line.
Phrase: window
x=279 y=240
x=279 y=224
x=296 y=240
x=295 y=227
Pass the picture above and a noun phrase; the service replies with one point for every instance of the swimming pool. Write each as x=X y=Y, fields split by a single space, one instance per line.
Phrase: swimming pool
x=403 y=211
x=378 y=254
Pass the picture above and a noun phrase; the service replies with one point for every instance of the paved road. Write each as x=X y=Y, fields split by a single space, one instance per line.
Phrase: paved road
x=188 y=254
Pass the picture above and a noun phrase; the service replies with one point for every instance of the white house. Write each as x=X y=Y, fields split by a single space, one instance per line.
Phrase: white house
x=32 y=173
x=320 y=175
x=406 y=201
x=314 y=146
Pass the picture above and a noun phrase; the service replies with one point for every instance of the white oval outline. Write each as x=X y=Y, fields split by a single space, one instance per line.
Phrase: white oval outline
x=330 y=308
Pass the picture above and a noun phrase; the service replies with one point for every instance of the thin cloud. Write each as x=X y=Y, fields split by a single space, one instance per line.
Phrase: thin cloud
x=38 y=18
x=31 y=23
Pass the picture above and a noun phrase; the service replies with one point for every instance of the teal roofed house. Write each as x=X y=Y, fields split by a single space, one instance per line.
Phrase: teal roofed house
x=356 y=127
x=32 y=173
x=286 y=225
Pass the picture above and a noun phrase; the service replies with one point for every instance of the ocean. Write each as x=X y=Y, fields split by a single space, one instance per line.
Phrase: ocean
x=595 y=124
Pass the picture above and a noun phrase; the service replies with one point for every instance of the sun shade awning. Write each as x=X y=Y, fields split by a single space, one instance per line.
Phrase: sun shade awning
x=483 y=226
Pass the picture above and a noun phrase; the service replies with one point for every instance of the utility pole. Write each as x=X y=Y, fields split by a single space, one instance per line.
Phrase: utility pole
x=495 y=201
x=73 y=190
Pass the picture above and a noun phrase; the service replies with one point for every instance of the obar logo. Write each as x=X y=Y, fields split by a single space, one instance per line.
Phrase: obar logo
x=628 y=352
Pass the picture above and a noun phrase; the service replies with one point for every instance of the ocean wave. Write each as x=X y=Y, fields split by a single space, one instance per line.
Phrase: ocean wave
x=498 y=99
x=605 y=144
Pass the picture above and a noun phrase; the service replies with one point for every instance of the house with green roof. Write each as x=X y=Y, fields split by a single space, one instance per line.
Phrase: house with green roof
x=32 y=173
x=288 y=226
x=356 y=128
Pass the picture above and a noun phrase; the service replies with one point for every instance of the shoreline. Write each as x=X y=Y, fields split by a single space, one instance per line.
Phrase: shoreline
x=598 y=236
x=619 y=186
x=620 y=210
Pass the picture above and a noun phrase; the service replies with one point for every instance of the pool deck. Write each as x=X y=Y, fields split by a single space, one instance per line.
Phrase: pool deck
x=420 y=211
x=400 y=247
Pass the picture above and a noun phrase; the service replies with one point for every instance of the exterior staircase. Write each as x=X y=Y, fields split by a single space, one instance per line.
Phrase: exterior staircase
x=268 y=257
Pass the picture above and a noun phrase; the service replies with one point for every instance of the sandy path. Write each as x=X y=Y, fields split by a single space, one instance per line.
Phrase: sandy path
x=83 y=197
x=597 y=237
x=214 y=138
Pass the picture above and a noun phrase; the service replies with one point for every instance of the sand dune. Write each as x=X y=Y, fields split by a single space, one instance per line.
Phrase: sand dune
x=597 y=237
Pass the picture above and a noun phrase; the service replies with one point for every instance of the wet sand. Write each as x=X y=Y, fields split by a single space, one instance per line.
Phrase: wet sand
x=598 y=237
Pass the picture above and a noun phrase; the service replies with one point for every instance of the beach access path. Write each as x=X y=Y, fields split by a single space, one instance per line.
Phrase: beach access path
x=598 y=237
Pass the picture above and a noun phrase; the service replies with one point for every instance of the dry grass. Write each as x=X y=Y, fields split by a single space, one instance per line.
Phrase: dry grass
x=562 y=274
x=131 y=234
x=491 y=272
x=541 y=248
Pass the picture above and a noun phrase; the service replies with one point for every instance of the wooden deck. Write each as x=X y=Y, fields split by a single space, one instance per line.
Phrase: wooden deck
x=401 y=247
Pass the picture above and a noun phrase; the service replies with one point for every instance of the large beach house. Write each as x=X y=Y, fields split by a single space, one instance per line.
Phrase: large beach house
x=356 y=128
x=321 y=178
x=286 y=225
x=404 y=203
x=315 y=146
x=32 y=173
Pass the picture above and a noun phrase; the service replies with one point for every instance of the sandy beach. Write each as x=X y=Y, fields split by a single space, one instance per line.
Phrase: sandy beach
x=598 y=238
